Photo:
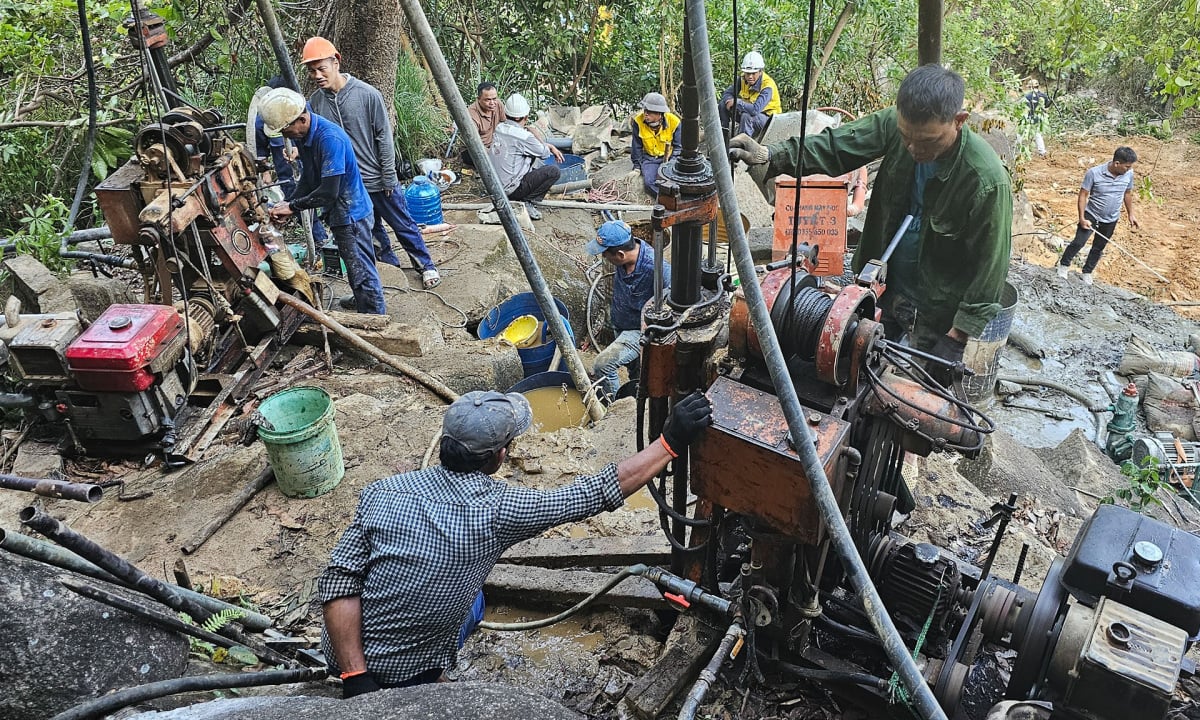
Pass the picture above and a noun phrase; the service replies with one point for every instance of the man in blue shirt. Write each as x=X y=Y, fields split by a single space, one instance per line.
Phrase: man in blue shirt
x=633 y=287
x=1105 y=188
x=329 y=179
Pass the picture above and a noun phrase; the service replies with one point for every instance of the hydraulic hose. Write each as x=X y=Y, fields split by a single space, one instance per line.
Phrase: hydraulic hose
x=124 y=698
x=843 y=543
x=708 y=676
x=688 y=590
x=448 y=86
x=1070 y=392
x=864 y=679
x=89 y=147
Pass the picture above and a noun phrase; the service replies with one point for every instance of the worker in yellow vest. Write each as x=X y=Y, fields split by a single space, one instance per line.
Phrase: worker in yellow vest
x=655 y=137
x=753 y=100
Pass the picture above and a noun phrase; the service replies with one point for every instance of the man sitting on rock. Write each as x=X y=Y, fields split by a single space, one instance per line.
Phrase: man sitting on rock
x=633 y=287
x=656 y=135
x=404 y=585
x=518 y=156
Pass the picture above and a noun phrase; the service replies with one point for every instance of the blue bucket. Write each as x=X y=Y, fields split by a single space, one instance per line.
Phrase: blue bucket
x=571 y=167
x=537 y=358
x=553 y=408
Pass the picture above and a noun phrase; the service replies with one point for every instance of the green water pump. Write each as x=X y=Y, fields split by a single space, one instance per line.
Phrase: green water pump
x=1119 y=446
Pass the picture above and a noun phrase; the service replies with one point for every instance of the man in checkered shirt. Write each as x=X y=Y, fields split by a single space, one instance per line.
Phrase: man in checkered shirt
x=403 y=587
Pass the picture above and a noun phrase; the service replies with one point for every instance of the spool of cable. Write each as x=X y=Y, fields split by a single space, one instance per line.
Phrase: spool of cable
x=799 y=317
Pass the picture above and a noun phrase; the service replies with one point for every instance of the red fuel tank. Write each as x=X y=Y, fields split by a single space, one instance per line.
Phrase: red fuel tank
x=125 y=347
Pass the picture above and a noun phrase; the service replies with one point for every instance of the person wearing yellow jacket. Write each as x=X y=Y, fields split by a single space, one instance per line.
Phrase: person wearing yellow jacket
x=655 y=138
x=752 y=100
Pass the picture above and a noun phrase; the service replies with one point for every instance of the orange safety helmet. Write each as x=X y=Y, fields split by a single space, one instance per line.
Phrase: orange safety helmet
x=318 y=48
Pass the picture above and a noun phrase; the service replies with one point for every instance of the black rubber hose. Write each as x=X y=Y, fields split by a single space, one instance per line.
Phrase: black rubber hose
x=926 y=704
x=864 y=679
x=124 y=698
x=89 y=148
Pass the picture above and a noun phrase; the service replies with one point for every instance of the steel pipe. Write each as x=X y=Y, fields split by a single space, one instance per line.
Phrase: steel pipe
x=106 y=705
x=61 y=489
x=51 y=554
x=419 y=25
x=708 y=675
x=822 y=491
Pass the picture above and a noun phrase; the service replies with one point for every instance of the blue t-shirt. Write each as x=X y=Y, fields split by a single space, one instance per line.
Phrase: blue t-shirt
x=326 y=152
x=1106 y=192
x=631 y=291
x=902 y=266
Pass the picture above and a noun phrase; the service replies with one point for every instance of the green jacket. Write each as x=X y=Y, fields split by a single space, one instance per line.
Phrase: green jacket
x=966 y=230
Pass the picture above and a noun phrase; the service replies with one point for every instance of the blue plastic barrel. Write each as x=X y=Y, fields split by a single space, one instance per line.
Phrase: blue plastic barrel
x=537 y=358
x=424 y=201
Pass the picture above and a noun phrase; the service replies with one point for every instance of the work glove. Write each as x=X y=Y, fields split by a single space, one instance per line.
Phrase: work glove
x=686 y=421
x=948 y=349
x=742 y=147
x=359 y=685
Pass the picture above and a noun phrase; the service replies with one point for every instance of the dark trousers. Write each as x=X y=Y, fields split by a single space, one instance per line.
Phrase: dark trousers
x=536 y=183
x=357 y=251
x=1102 y=231
x=649 y=168
x=748 y=123
x=391 y=208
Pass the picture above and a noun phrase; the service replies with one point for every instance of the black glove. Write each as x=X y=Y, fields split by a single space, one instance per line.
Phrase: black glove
x=359 y=685
x=689 y=416
x=948 y=349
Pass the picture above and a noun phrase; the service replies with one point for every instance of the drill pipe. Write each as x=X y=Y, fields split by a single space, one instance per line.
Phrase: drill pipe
x=926 y=704
x=136 y=579
x=82 y=492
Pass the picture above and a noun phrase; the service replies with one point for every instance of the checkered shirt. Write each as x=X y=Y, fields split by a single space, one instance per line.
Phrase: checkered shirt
x=422 y=544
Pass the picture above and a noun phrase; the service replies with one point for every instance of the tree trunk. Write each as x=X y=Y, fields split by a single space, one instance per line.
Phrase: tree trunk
x=367 y=34
x=843 y=18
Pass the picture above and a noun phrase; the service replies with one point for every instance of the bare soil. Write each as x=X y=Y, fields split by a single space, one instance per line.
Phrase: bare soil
x=1168 y=212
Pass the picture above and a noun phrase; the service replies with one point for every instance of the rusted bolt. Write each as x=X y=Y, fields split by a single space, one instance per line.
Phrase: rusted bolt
x=814 y=418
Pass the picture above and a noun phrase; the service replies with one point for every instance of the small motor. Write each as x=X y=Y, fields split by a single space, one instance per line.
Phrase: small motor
x=917 y=584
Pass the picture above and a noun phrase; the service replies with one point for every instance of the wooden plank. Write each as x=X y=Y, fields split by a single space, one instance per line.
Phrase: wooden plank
x=689 y=646
x=590 y=552
x=525 y=586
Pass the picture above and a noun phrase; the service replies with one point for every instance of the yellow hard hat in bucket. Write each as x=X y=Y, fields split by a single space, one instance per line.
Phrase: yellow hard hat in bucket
x=523 y=331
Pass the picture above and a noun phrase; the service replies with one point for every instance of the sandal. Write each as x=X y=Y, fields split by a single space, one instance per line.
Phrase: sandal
x=430 y=278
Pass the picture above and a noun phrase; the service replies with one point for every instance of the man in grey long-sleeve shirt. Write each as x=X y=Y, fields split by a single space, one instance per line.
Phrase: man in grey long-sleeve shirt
x=358 y=108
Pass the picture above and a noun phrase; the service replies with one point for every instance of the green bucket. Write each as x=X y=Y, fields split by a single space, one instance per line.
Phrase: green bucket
x=302 y=446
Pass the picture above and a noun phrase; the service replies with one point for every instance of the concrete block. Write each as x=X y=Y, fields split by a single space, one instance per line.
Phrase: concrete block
x=93 y=295
x=38 y=460
x=395 y=338
x=38 y=289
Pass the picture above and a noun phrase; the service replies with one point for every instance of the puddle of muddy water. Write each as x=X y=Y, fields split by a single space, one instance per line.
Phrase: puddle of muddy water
x=539 y=646
x=556 y=407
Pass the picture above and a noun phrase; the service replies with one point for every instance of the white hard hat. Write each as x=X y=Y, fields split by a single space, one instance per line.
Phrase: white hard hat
x=279 y=108
x=753 y=62
x=516 y=106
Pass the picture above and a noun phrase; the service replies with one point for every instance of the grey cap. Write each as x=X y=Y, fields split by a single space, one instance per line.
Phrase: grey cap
x=484 y=421
x=655 y=102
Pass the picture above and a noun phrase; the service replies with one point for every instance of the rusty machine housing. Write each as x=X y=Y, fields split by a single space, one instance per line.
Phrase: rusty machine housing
x=189 y=207
x=1105 y=637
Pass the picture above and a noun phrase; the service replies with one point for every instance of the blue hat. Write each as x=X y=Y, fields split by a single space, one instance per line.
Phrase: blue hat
x=611 y=234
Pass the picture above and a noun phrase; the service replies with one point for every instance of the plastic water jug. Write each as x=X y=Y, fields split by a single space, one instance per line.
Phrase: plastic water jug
x=424 y=201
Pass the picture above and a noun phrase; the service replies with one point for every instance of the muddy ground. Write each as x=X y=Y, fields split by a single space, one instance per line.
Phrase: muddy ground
x=271 y=553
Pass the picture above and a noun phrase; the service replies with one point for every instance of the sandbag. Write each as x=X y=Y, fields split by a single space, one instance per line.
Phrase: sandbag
x=1140 y=358
x=1169 y=406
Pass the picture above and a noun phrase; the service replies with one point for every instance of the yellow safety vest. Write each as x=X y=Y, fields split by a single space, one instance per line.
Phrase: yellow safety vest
x=656 y=143
x=773 y=105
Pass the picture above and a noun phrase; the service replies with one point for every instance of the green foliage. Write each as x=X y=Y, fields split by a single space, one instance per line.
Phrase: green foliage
x=218 y=620
x=1075 y=112
x=40 y=231
x=420 y=125
x=1138 y=123
x=1142 y=486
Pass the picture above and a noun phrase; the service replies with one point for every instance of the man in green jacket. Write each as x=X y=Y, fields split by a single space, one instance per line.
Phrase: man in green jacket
x=945 y=278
